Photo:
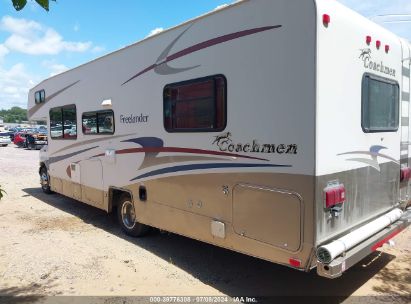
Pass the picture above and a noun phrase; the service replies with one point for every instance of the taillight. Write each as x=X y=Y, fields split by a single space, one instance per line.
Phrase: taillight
x=334 y=194
x=294 y=262
x=405 y=174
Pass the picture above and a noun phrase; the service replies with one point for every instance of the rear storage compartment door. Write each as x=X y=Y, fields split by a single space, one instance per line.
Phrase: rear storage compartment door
x=271 y=216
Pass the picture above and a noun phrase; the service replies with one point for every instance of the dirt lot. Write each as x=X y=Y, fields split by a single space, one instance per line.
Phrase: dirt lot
x=51 y=245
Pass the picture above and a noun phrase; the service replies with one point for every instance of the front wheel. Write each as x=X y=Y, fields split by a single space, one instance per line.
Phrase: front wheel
x=45 y=181
x=127 y=218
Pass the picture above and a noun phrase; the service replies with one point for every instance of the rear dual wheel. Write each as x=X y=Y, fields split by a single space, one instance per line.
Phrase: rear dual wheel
x=127 y=218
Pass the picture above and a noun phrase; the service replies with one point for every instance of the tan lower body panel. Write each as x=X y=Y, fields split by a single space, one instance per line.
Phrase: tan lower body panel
x=269 y=216
x=88 y=195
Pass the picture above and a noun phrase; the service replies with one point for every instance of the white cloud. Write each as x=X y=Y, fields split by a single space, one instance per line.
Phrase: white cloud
x=14 y=86
x=155 y=31
x=54 y=67
x=98 y=49
x=370 y=8
x=30 y=37
x=19 y=26
x=373 y=9
x=3 y=52
x=57 y=69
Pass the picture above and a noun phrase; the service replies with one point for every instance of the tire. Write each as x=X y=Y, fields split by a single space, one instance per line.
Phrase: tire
x=127 y=218
x=45 y=181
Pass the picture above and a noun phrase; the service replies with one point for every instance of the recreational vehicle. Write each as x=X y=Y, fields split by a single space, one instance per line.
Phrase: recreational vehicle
x=275 y=128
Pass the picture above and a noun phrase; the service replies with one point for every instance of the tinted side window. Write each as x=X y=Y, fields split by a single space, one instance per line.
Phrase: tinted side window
x=56 y=123
x=105 y=122
x=380 y=105
x=70 y=122
x=196 y=106
x=101 y=122
x=63 y=122
x=40 y=96
x=89 y=123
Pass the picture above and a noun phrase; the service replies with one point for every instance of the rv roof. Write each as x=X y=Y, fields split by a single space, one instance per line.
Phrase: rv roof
x=215 y=11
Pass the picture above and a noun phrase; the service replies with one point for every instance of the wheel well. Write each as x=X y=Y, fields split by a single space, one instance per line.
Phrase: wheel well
x=114 y=197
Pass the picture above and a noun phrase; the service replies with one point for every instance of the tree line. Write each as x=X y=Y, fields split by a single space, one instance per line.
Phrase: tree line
x=14 y=115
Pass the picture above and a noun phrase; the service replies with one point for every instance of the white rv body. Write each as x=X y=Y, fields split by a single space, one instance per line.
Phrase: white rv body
x=292 y=84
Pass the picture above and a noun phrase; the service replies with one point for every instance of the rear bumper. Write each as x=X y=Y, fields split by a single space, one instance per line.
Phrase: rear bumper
x=336 y=268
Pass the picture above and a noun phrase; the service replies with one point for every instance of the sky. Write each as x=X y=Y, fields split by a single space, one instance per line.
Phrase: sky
x=35 y=44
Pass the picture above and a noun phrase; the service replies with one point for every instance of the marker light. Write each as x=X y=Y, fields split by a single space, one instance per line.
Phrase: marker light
x=368 y=40
x=387 y=48
x=326 y=19
x=294 y=262
x=378 y=44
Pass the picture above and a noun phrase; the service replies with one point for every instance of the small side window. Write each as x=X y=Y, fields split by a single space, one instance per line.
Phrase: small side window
x=40 y=96
x=197 y=105
x=380 y=104
x=100 y=122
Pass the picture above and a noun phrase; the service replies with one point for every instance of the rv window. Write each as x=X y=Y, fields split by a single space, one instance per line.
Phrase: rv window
x=196 y=106
x=70 y=122
x=63 y=123
x=380 y=105
x=56 y=125
x=101 y=122
x=40 y=96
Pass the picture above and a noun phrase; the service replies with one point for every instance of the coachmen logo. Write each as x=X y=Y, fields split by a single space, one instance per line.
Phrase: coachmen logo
x=366 y=57
x=225 y=143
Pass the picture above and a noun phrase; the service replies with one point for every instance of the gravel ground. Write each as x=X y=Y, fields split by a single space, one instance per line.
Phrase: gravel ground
x=51 y=245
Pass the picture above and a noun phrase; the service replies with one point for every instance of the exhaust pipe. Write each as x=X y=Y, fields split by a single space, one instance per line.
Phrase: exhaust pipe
x=327 y=253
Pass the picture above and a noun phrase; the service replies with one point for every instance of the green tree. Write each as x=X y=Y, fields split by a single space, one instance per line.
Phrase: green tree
x=15 y=114
x=20 y=4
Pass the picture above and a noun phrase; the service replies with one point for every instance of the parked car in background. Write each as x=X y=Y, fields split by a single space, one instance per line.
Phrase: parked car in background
x=4 y=139
x=42 y=128
x=13 y=131
x=20 y=139
x=10 y=134
x=35 y=141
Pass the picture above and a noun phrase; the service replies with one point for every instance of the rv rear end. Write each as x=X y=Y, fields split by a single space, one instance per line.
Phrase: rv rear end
x=362 y=136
